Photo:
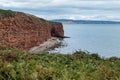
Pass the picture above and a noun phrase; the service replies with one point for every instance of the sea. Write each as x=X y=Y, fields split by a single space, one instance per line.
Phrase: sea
x=103 y=39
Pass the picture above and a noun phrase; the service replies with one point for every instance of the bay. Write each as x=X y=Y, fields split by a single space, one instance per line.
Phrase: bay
x=103 y=39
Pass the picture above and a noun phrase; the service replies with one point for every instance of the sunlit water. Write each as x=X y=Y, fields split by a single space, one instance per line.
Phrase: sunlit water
x=103 y=39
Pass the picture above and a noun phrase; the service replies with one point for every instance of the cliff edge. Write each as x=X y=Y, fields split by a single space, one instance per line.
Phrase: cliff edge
x=24 y=31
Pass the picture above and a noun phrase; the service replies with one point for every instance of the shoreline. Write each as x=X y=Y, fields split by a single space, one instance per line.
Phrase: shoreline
x=49 y=44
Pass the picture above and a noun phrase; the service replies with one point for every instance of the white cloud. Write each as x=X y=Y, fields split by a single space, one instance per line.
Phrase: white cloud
x=77 y=9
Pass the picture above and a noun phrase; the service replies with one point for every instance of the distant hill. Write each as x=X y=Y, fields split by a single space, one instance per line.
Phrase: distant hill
x=70 y=21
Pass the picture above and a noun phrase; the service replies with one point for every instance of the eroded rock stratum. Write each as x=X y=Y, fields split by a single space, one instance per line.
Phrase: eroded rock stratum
x=24 y=31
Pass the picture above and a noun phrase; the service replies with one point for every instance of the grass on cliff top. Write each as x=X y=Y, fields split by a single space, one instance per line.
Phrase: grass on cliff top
x=21 y=65
x=6 y=13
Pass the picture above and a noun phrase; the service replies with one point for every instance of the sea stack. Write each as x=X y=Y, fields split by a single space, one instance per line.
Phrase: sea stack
x=24 y=31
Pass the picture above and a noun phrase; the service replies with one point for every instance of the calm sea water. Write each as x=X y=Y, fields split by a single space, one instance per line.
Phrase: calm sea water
x=103 y=39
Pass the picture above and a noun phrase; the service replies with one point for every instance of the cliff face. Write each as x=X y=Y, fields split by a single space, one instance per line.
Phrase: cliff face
x=56 y=29
x=24 y=31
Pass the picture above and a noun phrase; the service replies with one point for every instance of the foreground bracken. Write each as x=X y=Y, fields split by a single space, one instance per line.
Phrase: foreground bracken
x=21 y=65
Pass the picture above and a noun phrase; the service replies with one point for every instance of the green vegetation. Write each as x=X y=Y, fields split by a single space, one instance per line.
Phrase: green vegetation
x=21 y=65
x=6 y=13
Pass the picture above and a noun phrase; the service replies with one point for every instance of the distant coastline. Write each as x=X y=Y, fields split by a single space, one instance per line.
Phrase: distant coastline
x=70 y=21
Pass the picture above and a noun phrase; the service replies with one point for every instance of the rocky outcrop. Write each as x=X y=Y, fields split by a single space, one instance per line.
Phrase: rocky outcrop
x=55 y=30
x=24 y=31
x=46 y=46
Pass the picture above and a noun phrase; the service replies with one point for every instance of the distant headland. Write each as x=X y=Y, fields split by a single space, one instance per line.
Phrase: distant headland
x=70 y=21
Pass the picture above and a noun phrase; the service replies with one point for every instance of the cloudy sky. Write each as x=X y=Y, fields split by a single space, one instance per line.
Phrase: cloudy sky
x=67 y=9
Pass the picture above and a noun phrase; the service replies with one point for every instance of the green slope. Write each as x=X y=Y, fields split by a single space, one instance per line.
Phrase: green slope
x=21 y=65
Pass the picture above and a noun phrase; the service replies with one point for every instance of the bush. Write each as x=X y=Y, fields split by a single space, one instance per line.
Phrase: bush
x=21 y=65
x=113 y=59
x=6 y=13
x=95 y=56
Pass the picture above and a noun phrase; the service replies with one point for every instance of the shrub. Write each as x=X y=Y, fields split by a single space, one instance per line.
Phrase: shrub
x=95 y=56
x=6 y=13
x=113 y=59
x=21 y=65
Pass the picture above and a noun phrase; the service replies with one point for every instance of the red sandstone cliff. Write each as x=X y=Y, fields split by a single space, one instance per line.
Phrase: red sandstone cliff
x=24 y=31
